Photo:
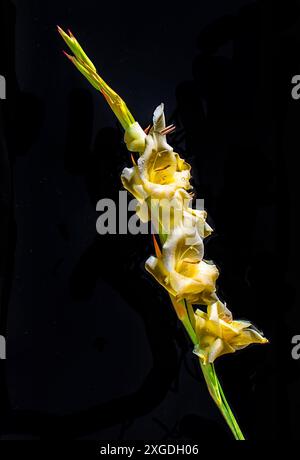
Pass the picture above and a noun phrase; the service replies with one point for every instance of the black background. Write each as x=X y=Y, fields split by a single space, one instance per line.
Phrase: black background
x=94 y=350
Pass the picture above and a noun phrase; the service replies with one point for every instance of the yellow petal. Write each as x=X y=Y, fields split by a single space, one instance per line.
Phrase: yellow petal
x=218 y=310
x=247 y=337
x=132 y=182
x=156 y=268
x=159 y=122
x=200 y=216
x=218 y=336
x=187 y=275
x=215 y=350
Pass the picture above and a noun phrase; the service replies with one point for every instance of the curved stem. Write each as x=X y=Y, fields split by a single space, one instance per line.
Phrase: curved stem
x=217 y=393
x=214 y=386
x=239 y=435
x=184 y=313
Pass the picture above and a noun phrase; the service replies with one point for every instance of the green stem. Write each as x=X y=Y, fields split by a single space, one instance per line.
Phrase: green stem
x=186 y=322
x=214 y=386
x=239 y=435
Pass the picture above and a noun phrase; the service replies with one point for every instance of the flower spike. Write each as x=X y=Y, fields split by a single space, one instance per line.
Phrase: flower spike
x=160 y=180
x=87 y=68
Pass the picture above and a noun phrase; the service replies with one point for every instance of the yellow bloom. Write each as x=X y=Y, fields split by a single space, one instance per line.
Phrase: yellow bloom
x=177 y=212
x=159 y=171
x=181 y=270
x=218 y=334
x=194 y=217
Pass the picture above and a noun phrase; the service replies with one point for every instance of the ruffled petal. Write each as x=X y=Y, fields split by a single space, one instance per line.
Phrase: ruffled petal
x=217 y=337
x=132 y=182
x=156 y=268
x=247 y=337
x=161 y=171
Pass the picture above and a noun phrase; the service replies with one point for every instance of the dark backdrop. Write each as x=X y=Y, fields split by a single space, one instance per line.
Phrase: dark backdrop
x=93 y=347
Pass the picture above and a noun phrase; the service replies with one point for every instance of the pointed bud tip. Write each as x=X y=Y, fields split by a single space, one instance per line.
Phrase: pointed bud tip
x=67 y=55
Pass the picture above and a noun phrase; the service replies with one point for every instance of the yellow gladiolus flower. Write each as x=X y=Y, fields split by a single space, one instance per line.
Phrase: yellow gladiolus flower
x=194 y=217
x=159 y=171
x=181 y=270
x=218 y=334
x=160 y=182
